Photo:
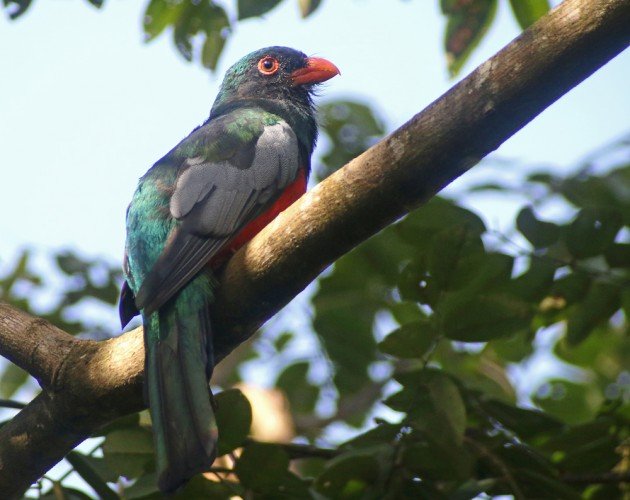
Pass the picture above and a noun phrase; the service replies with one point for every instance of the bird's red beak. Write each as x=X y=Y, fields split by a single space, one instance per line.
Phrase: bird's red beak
x=317 y=70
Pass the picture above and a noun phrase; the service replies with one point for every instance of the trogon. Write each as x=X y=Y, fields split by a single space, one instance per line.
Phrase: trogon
x=198 y=204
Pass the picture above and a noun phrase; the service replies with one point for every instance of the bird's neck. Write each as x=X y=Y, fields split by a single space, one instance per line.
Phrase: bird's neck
x=299 y=115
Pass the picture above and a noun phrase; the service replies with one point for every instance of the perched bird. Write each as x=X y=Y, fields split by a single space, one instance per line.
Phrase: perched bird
x=207 y=197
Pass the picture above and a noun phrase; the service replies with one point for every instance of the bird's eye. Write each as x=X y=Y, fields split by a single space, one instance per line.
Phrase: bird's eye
x=268 y=65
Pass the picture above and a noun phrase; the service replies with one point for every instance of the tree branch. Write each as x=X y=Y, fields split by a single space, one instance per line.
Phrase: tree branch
x=87 y=384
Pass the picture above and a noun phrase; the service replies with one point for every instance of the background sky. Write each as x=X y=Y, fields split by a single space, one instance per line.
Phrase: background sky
x=86 y=107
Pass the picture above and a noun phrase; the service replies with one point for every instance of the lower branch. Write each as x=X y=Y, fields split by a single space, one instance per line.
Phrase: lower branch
x=87 y=384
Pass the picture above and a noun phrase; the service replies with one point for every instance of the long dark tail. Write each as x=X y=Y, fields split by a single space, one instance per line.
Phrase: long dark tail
x=179 y=362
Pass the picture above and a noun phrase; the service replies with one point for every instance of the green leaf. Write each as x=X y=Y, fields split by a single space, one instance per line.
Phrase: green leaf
x=352 y=127
x=602 y=301
x=95 y=473
x=534 y=284
x=264 y=469
x=97 y=3
x=524 y=422
x=592 y=231
x=128 y=452
x=234 y=420
x=20 y=7
x=420 y=226
x=347 y=301
x=13 y=377
x=618 y=255
x=145 y=488
x=450 y=247
x=435 y=462
x=546 y=486
x=527 y=12
x=383 y=433
x=307 y=7
x=588 y=448
x=467 y=24
x=434 y=403
x=572 y=287
x=160 y=14
x=254 y=8
x=571 y=402
x=212 y=48
x=281 y=342
x=412 y=340
x=470 y=317
x=355 y=474
x=294 y=383
x=539 y=233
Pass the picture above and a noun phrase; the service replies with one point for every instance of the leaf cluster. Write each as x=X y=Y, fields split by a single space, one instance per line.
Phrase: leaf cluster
x=200 y=28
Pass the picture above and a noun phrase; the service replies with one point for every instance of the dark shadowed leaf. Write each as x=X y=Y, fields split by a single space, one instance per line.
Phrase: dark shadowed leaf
x=16 y=8
x=301 y=394
x=453 y=248
x=412 y=340
x=592 y=231
x=430 y=460
x=97 y=3
x=527 y=12
x=263 y=468
x=94 y=472
x=129 y=452
x=540 y=485
x=601 y=302
x=476 y=318
x=573 y=287
x=253 y=8
x=539 y=233
x=618 y=255
x=419 y=227
x=433 y=403
x=383 y=433
x=535 y=283
x=357 y=474
x=467 y=24
x=234 y=419
x=524 y=422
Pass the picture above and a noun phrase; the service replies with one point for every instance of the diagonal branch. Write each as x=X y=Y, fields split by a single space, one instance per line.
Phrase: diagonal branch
x=87 y=384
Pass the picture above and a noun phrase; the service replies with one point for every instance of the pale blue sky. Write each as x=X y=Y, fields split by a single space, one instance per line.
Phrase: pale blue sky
x=86 y=107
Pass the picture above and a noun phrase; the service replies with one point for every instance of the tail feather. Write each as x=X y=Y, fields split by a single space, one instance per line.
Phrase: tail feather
x=178 y=367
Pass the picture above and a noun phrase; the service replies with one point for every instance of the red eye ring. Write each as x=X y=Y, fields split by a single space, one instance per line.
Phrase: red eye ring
x=268 y=65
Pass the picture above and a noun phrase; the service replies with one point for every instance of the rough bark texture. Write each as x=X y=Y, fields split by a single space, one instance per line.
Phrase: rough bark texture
x=87 y=384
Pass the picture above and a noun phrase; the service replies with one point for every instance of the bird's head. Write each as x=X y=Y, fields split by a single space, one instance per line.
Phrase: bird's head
x=274 y=73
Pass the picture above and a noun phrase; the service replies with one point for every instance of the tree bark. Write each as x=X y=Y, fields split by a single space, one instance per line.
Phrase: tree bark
x=87 y=384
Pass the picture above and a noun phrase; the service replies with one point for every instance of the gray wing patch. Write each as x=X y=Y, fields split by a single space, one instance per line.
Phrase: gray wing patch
x=213 y=201
x=217 y=198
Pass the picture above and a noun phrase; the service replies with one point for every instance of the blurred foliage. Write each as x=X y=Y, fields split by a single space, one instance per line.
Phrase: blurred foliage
x=200 y=28
x=58 y=294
